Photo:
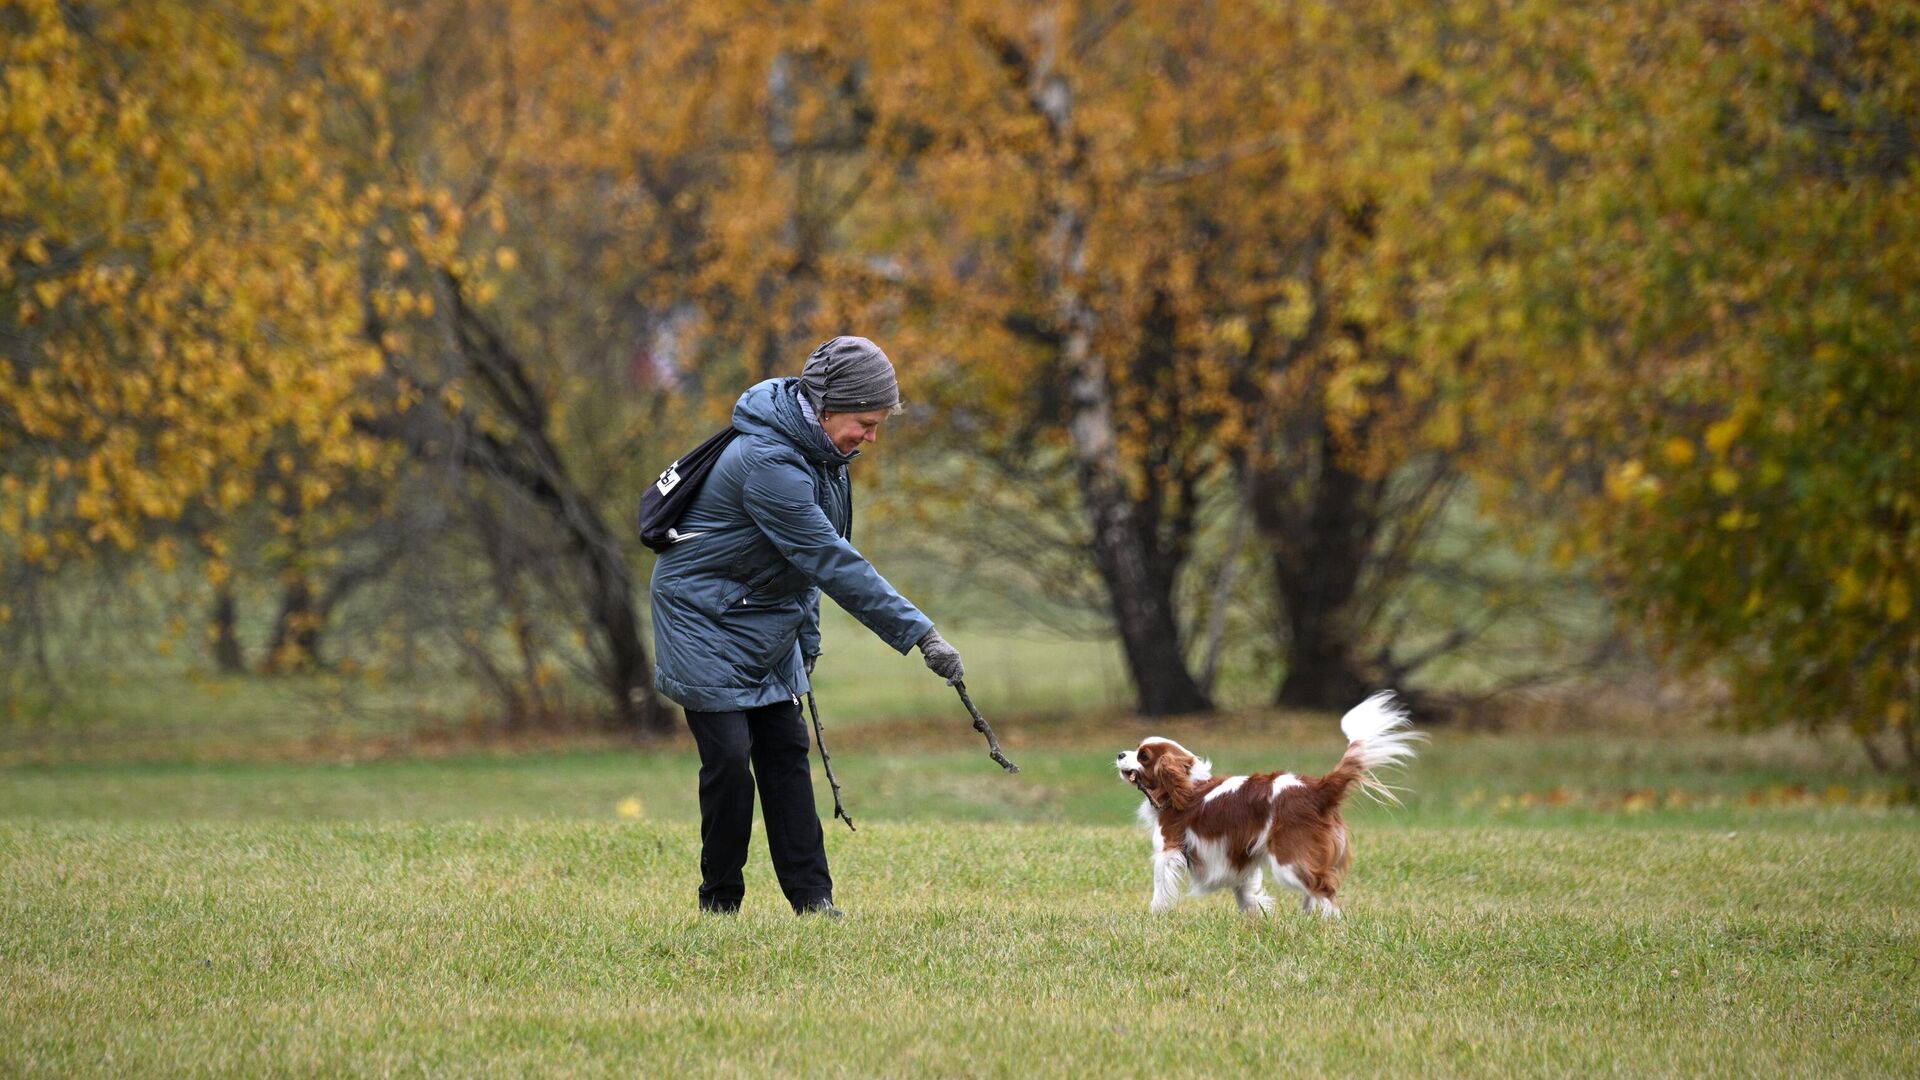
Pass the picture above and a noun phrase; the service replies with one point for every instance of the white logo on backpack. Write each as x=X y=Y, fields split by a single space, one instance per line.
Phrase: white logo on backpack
x=669 y=479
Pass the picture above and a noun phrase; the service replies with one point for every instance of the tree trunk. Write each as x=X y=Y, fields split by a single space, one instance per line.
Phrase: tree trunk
x=295 y=645
x=1320 y=540
x=1139 y=586
x=226 y=640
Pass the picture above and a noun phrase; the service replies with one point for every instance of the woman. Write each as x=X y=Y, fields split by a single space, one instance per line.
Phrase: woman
x=736 y=611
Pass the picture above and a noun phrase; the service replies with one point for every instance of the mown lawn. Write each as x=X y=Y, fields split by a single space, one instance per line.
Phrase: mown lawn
x=937 y=770
x=1543 y=904
x=568 y=947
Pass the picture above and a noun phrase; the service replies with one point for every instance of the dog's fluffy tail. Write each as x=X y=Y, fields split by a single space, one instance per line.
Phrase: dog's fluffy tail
x=1379 y=735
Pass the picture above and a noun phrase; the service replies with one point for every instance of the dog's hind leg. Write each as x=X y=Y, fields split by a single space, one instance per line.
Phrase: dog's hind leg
x=1285 y=875
x=1252 y=895
x=1315 y=897
x=1322 y=877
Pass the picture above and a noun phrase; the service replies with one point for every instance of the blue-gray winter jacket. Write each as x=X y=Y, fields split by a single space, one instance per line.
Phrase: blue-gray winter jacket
x=737 y=604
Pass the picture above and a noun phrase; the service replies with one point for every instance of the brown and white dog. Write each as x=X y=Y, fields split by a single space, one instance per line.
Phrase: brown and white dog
x=1220 y=832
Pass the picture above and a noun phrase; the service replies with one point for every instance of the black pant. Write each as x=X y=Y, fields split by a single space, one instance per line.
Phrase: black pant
x=773 y=739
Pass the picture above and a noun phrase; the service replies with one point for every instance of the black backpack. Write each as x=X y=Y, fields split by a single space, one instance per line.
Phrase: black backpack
x=667 y=498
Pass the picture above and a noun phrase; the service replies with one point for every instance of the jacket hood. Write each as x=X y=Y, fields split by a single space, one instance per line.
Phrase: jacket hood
x=772 y=409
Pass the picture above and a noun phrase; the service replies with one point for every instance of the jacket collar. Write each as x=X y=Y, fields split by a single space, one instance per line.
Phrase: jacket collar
x=773 y=408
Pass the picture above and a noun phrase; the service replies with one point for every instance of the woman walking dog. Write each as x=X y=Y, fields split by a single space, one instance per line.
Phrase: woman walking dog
x=736 y=610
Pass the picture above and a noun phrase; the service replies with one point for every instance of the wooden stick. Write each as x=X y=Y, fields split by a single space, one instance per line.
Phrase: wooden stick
x=980 y=725
x=820 y=737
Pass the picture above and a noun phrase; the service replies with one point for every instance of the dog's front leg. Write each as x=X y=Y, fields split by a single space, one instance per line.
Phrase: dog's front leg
x=1169 y=870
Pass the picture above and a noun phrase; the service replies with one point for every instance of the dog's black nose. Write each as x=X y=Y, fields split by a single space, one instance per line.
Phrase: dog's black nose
x=1119 y=755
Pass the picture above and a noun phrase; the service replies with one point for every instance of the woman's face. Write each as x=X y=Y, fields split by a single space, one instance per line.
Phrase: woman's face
x=847 y=430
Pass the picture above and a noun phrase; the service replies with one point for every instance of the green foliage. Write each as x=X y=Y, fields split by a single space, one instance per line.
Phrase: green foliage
x=1714 y=346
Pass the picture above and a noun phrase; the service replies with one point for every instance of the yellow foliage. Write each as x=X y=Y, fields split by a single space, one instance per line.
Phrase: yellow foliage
x=1722 y=433
x=1625 y=480
x=151 y=268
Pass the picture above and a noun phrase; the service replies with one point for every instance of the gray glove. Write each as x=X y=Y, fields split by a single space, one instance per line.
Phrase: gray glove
x=809 y=662
x=941 y=657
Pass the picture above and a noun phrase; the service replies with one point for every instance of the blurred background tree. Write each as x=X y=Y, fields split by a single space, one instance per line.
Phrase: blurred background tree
x=1710 y=351
x=1163 y=269
x=175 y=241
x=1308 y=348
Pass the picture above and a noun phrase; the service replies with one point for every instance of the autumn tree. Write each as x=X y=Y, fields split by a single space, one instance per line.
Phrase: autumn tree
x=177 y=303
x=1710 y=345
x=222 y=223
x=584 y=223
x=1162 y=255
x=1132 y=257
x=465 y=384
x=1034 y=216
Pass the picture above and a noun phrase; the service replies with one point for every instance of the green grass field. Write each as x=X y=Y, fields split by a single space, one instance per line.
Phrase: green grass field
x=563 y=947
x=1620 y=902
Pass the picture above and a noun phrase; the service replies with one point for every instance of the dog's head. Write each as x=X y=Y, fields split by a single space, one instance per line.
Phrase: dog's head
x=1164 y=771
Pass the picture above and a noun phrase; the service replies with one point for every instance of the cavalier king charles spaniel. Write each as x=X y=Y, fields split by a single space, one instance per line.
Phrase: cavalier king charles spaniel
x=1219 y=832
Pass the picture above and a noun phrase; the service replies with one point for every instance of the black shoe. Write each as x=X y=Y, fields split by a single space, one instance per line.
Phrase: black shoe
x=708 y=907
x=823 y=908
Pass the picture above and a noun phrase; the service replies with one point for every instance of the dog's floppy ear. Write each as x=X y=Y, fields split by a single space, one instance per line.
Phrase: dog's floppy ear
x=1168 y=775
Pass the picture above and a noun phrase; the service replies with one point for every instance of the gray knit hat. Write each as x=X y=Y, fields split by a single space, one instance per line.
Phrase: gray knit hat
x=850 y=374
